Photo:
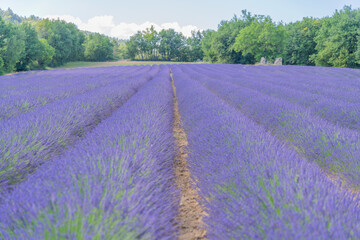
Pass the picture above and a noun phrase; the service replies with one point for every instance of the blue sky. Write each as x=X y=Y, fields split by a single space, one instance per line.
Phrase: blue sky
x=107 y=14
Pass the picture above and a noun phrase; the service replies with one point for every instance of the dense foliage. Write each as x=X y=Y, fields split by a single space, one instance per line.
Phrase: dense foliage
x=98 y=47
x=338 y=42
x=330 y=41
x=34 y=43
x=165 y=45
x=262 y=38
x=218 y=46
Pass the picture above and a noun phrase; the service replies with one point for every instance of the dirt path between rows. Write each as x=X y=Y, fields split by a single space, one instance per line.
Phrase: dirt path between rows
x=191 y=212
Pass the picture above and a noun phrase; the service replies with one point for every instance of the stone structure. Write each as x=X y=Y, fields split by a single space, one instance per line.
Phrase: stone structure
x=278 y=61
x=263 y=61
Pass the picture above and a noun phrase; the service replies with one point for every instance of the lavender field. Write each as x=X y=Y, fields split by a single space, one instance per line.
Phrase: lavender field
x=270 y=152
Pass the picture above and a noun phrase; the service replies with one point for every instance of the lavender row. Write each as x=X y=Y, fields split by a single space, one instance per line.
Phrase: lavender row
x=116 y=183
x=35 y=137
x=343 y=113
x=252 y=185
x=48 y=80
x=273 y=83
x=14 y=105
x=23 y=83
x=328 y=81
x=334 y=148
x=316 y=81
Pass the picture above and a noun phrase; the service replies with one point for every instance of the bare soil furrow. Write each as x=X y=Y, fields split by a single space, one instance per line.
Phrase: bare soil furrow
x=191 y=212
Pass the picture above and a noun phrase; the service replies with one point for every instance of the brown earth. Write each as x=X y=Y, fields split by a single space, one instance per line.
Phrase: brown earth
x=191 y=212
x=348 y=190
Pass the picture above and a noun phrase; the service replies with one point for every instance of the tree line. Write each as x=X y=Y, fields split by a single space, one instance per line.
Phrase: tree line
x=166 y=45
x=34 y=43
x=329 y=41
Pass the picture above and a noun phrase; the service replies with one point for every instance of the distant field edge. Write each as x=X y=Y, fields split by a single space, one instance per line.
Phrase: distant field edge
x=83 y=64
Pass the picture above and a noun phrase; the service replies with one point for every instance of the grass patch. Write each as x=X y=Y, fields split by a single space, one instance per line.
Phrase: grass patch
x=82 y=64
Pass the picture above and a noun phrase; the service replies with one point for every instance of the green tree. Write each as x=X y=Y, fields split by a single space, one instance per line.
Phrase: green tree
x=132 y=46
x=78 y=39
x=46 y=54
x=207 y=46
x=4 y=31
x=98 y=47
x=32 y=48
x=11 y=45
x=195 y=51
x=263 y=38
x=166 y=47
x=221 y=47
x=119 y=49
x=65 y=38
x=1 y=66
x=150 y=38
x=338 y=40
x=15 y=47
x=121 y=52
x=9 y=16
x=141 y=45
x=171 y=45
x=300 y=43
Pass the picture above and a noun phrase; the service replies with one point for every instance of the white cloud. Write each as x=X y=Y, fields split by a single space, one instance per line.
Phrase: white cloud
x=106 y=25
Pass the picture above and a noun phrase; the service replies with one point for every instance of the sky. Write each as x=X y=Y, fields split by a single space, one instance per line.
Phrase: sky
x=118 y=18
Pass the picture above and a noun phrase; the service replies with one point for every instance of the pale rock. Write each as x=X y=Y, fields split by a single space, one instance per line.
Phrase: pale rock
x=263 y=61
x=278 y=61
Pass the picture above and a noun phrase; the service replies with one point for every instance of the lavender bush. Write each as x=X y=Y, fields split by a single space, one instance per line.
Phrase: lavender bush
x=341 y=104
x=89 y=153
x=116 y=183
x=252 y=185
x=334 y=148
x=35 y=137
x=19 y=96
